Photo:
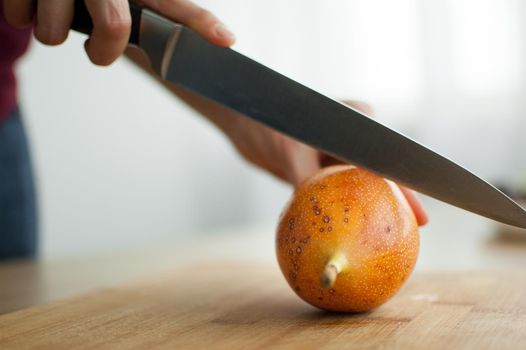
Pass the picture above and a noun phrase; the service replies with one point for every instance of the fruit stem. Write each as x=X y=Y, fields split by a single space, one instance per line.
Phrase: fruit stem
x=334 y=266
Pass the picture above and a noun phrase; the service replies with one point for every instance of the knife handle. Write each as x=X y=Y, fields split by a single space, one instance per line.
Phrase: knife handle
x=82 y=20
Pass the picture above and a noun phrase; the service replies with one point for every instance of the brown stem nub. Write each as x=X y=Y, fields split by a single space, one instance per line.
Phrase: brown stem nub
x=328 y=277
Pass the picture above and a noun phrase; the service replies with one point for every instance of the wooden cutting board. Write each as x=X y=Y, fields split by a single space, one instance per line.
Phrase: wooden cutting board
x=236 y=306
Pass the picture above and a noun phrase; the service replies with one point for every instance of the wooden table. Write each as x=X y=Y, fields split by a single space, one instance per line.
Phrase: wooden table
x=469 y=291
x=249 y=306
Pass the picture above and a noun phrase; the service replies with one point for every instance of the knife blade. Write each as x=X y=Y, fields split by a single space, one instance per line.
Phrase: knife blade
x=180 y=56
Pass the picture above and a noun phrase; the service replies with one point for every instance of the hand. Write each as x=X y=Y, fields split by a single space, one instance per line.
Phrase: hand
x=284 y=157
x=111 y=22
x=289 y=159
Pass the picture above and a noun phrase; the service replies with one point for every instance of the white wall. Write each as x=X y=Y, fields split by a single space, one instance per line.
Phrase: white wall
x=121 y=163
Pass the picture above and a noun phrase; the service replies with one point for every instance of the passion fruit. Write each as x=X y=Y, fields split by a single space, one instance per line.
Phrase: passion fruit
x=347 y=240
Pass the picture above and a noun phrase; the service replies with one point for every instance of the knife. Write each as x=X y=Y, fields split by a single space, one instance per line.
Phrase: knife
x=179 y=55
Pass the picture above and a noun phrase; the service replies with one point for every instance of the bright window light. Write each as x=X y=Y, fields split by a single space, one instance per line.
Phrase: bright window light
x=486 y=45
x=383 y=50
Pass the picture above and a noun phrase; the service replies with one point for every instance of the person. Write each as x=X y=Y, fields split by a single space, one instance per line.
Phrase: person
x=50 y=21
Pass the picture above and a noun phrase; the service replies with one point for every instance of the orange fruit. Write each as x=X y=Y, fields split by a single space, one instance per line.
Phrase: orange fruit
x=347 y=240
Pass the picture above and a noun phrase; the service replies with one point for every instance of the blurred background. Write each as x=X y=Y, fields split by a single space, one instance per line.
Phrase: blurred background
x=121 y=164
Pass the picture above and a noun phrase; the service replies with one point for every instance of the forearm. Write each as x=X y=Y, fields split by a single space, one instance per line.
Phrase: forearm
x=221 y=116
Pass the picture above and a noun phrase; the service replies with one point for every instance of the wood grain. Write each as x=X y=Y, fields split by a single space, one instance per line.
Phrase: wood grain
x=249 y=306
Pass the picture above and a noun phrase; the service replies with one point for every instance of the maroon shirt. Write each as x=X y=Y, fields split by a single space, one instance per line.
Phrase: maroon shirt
x=13 y=44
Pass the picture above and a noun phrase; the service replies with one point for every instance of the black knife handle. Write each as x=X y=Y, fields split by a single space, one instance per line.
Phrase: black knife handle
x=82 y=20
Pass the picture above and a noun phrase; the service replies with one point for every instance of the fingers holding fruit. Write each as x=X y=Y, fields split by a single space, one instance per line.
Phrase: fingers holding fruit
x=412 y=199
x=288 y=159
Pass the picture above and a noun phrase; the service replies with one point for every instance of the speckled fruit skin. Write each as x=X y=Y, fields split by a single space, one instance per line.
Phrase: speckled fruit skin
x=347 y=210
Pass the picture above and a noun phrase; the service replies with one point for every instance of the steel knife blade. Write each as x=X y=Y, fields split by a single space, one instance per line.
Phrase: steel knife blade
x=180 y=56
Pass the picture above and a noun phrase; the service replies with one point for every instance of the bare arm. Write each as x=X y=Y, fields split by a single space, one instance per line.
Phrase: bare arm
x=284 y=157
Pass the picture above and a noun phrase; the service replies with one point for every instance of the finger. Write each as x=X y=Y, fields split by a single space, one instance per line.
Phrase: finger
x=361 y=106
x=53 y=21
x=303 y=163
x=327 y=160
x=195 y=17
x=111 y=30
x=19 y=13
x=416 y=205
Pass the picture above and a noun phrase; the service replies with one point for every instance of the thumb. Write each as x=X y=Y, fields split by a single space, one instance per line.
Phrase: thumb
x=195 y=17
